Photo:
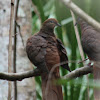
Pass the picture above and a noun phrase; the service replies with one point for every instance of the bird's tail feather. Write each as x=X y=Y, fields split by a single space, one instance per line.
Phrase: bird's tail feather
x=96 y=74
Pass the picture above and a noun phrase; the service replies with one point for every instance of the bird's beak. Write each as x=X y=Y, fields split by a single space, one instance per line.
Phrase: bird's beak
x=58 y=24
x=76 y=23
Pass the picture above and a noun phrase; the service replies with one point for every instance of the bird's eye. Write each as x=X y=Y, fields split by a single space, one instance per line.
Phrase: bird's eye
x=51 y=21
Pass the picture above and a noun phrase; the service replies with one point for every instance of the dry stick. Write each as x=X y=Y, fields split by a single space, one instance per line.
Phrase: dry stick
x=79 y=72
x=15 y=44
x=77 y=36
x=81 y=14
x=79 y=45
x=19 y=76
x=14 y=64
x=11 y=31
x=20 y=34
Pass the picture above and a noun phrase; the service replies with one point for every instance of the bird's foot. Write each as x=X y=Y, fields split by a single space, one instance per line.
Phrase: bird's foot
x=43 y=68
x=90 y=64
x=45 y=71
x=37 y=72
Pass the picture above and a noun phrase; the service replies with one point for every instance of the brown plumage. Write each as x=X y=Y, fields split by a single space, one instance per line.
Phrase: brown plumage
x=91 y=45
x=45 y=51
x=90 y=40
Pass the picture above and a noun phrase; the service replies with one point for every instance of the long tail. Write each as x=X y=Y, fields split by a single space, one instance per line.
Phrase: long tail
x=54 y=92
x=96 y=73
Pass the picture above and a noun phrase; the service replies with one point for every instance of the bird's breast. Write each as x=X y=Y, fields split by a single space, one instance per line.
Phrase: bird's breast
x=52 y=56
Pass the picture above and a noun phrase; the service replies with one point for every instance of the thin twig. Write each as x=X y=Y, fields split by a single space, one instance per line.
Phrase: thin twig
x=15 y=46
x=20 y=33
x=81 y=14
x=19 y=76
x=77 y=36
x=79 y=72
x=11 y=31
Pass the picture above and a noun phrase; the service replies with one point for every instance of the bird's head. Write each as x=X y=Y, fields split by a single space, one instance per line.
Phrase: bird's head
x=78 y=21
x=83 y=24
x=50 y=23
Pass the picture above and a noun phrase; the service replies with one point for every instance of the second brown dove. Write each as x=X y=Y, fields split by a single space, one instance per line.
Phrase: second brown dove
x=90 y=38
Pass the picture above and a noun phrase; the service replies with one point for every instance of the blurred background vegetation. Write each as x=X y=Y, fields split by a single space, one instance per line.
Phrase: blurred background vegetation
x=77 y=89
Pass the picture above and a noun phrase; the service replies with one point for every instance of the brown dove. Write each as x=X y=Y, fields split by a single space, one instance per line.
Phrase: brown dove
x=90 y=38
x=45 y=51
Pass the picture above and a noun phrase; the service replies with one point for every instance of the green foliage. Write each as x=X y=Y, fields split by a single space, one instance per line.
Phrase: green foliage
x=75 y=89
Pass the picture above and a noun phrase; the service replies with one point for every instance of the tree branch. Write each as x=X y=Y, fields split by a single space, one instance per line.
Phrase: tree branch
x=15 y=46
x=77 y=36
x=19 y=76
x=22 y=75
x=11 y=31
x=79 y=72
x=82 y=14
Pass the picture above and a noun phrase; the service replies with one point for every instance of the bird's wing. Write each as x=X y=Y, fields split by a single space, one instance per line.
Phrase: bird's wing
x=36 y=51
x=91 y=44
x=63 y=55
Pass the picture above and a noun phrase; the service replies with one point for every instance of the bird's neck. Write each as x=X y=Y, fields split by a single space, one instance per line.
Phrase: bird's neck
x=84 y=26
x=47 y=31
